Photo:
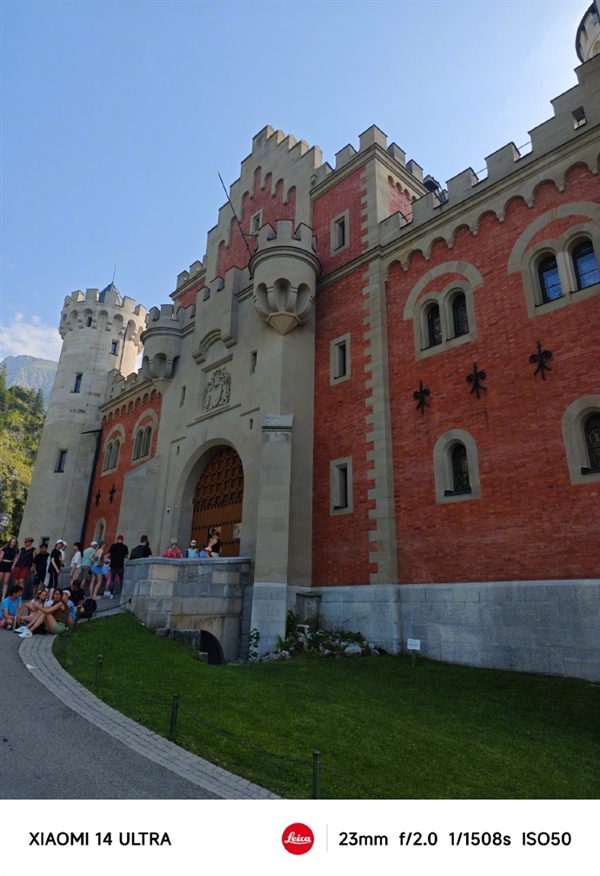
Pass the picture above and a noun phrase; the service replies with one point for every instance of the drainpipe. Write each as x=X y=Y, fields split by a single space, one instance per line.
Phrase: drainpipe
x=97 y=433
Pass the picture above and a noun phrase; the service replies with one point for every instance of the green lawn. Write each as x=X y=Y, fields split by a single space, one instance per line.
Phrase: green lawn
x=432 y=731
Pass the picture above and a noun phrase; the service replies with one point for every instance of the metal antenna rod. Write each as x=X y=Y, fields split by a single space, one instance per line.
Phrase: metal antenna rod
x=235 y=215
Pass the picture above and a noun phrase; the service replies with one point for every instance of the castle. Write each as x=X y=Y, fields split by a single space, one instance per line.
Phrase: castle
x=383 y=393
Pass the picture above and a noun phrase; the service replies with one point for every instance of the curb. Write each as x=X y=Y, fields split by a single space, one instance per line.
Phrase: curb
x=36 y=654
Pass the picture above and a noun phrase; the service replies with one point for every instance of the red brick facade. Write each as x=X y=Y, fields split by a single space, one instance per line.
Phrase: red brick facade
x=132 y=417
x=531 y=522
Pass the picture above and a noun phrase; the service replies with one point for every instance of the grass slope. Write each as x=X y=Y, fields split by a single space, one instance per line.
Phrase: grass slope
x=434 y=731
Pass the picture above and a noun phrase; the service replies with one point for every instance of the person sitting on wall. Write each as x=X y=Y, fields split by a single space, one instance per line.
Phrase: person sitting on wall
x=213 y=548
x=142 y=550
x=192 y=553
x=173 y=552
x=12 y=608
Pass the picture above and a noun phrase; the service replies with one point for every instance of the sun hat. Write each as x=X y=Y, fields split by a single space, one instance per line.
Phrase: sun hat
x=94 y=543
x=192 y=543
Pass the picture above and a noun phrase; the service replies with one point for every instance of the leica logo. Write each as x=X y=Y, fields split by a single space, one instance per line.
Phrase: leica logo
x=297 y=839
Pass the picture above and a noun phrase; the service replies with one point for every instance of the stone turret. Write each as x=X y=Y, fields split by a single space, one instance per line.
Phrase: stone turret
x=101 y=334
x=587 y=41
x=285 y=269
x=162 y=342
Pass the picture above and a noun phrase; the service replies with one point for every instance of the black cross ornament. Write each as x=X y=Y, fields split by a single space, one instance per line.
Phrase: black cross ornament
x=97 y=498
x=420 y=396
x=540 y=358
x=111 y=494
x=475 y=378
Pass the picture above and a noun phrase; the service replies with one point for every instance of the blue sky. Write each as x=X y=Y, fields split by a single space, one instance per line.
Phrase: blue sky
x=117 y=117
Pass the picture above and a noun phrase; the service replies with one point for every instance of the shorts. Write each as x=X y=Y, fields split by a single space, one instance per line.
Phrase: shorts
x=59 y=628
x=97 y=570
x=22 y=573
x=5 y=566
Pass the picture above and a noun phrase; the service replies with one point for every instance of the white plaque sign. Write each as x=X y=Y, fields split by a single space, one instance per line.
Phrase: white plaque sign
x=413 y=644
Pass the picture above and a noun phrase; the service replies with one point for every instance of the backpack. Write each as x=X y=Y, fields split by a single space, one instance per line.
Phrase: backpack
x=137 y=553
x=89 y=607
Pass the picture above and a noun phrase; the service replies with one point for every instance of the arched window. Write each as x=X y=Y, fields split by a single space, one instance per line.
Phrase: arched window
x=139 y=443
x=459 y=315
x=108 y=457
x=434 y=326
x=147 y=441
x=460 y=469
x=591 y=431
x=549 y=278
x=585 y=264
x=115 y=453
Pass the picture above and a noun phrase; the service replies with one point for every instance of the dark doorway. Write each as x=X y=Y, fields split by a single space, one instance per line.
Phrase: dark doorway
x=210 y=645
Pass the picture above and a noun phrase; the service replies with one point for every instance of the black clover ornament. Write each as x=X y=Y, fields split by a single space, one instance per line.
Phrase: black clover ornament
x=476 y=379
x=421 y=397
x=540 y=358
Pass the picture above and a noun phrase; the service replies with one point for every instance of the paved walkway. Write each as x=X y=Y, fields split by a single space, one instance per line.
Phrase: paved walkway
x=58 y=741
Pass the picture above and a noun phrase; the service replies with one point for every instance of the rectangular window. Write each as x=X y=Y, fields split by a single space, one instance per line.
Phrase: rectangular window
x=114 y=348
x=88 y=321
x=182 y=399
x=339 y=233
x=255 y=222
x=339 y=359
x=253 y=361
x=77 y=387
x=61 y=461
x=341 y=486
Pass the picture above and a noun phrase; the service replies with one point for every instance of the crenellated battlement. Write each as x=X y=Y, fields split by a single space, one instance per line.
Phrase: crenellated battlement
x=269 y=238
x=576 y=114
x=105 y=309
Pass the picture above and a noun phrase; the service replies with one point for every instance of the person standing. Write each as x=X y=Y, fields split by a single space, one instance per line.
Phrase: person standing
x=23 y=563
x=99 y=569
x=8 y=553
x=54 y=567
x=40 y=562
x=119 y=552
x=76 y=570
x=86 y=561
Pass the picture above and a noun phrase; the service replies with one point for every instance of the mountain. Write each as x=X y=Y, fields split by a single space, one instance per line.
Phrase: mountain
x=30 y=372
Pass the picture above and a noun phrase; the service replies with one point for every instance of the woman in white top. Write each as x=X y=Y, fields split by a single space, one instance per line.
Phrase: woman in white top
x=76 y=563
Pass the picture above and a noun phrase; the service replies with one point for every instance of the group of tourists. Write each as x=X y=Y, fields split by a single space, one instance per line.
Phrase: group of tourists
x=212 y=549
x=35 y=602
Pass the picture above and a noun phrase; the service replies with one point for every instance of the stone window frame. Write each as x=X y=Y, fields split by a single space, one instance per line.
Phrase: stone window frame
x=258 y=215
x=574 y=438
x=561 y=248
x=78 y=382
x=335 y=466
x=345 y=217
x=114 y=348
x=442 y=467
x=444 y=299
x=142 y=427
x=333 y=361
x=117 y=433
x=61 y=460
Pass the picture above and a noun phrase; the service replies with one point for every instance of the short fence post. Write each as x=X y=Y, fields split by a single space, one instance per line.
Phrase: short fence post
x=63 y=642
x=174 y=711
x=316 y=774
x=99 y=663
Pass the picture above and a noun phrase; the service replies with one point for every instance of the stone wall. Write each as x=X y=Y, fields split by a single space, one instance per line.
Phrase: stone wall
x=546 y=627
x=191 y=595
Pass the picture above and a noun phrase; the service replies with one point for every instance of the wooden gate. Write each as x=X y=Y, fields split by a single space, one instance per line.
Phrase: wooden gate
x=218 y=502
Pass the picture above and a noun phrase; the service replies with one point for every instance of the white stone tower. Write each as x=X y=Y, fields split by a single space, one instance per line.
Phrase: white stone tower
x=101 y=335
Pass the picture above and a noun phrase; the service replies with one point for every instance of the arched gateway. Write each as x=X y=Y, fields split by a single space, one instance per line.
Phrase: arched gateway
x=218 y=502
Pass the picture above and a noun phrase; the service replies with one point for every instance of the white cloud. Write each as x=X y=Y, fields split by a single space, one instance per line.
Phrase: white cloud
x=29 y=337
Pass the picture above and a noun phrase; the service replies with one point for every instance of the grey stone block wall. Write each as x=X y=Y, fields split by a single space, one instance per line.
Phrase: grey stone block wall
x=191 y=595
x=548 y=627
